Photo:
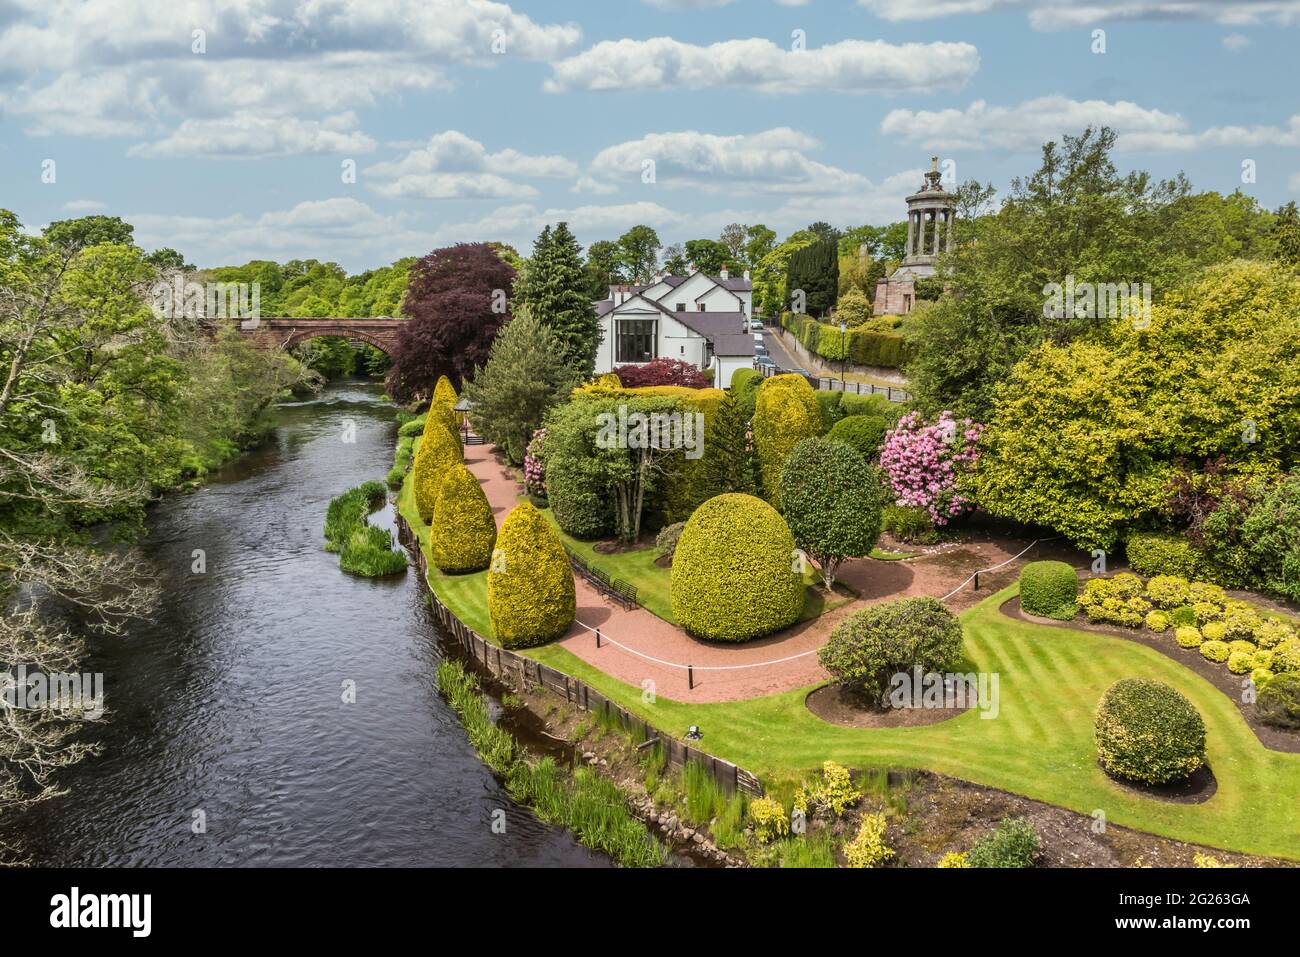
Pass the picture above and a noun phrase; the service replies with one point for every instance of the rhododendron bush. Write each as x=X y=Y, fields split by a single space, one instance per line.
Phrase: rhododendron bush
x=534 y=472
x=924 y=463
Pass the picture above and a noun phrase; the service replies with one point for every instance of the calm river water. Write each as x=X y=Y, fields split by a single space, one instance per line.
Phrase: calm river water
x=230 y=703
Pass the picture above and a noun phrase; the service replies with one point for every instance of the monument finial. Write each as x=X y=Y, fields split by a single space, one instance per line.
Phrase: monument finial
x=934 y=164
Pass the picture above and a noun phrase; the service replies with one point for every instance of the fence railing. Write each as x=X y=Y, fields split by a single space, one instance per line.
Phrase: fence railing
x=623 y=592
x=507 y=665
x=892 y=393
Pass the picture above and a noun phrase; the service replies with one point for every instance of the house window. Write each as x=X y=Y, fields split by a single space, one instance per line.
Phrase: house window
x=703 y=307
x=636 y=340
x=907 y=303
x=681 y=307
x=742 y=307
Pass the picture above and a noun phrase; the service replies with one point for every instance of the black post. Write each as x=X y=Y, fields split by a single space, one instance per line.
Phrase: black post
x=690 y=676
x=977 y=581
x=597 y=637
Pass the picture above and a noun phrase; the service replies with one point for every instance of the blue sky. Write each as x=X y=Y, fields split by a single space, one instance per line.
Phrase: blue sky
x=473 y=119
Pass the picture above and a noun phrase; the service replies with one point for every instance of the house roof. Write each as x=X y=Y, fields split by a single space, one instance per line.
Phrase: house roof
x=733 y=344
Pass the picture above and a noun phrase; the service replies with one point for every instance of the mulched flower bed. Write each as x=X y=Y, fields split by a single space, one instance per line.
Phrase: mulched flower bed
x=1197 y=788
x=833 y=706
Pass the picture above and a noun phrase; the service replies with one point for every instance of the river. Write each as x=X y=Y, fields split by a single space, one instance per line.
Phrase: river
x=230 y=703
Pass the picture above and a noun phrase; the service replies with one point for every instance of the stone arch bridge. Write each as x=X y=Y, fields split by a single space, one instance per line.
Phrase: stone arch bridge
x=284 y=333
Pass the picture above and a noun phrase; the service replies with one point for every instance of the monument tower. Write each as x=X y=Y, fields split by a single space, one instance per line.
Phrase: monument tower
x=930 y=214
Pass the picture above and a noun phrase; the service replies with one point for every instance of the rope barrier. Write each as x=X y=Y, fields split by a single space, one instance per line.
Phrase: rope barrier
x=604 y=637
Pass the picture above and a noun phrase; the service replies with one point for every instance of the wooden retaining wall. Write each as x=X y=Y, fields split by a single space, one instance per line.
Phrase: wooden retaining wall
x=510 y=667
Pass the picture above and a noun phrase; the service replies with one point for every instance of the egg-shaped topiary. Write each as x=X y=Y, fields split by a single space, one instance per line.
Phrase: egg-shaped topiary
x=1049 y=589
x=785 y=412
x=1149 y=732
x=531 y=598
x=464 y=531
x=735 y=572
x=437 y=453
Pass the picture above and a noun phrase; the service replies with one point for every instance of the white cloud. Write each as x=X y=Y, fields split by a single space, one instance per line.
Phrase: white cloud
x=1061 y=14
x=452 y=165
x=1236 y=42
x=852 y=66
x=1026 y=126
x=341 y=229
x=84 y=206
x=248 y=136
x=770 y=161
x=593 y=187
x=1293 y=183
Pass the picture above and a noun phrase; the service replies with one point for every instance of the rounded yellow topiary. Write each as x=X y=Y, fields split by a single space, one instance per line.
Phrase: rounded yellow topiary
x=437 y=453
x=785 y=412
x=464 y=531
x=735 y=573
x=531 y=597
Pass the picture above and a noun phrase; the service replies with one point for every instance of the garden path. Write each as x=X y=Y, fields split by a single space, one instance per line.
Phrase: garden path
x=720 y=672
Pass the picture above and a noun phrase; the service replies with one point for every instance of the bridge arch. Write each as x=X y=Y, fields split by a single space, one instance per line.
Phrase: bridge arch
x=286 y=333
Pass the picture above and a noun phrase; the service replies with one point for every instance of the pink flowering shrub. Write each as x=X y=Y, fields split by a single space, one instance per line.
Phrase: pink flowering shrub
x=924 y=462
x=534 y=471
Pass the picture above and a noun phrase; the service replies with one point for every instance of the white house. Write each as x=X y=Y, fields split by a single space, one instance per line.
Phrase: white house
x=696 y=318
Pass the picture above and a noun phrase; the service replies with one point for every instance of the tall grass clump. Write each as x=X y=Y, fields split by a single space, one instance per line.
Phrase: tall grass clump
x=402 y=459
x=590 y=806
x=362 y=548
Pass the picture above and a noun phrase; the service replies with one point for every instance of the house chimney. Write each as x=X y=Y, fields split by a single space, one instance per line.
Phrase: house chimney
x=723 y=275
x=746 y=275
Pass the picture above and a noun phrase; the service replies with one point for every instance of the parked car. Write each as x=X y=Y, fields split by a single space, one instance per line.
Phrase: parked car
x=758 y=337
x=755 y=324
x=760 y=349
x=761 y=362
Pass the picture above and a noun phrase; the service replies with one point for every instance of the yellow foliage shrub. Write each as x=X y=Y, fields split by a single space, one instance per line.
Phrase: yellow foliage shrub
x=785 y=412
x=868 y=848
x=464 y=530
x=531 y=598
x=437 y=453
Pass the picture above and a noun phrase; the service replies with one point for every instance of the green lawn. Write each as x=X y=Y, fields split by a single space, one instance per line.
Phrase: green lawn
x=1040 y=745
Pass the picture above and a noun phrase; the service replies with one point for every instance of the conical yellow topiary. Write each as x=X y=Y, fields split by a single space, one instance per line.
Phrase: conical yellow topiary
x=531 y=598
x=437 y=453
x=445 y=392
x=786 y=411
x=440 y=413
x=464 y=530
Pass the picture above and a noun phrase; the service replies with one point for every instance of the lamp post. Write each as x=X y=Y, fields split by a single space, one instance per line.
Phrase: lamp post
x=844 y=356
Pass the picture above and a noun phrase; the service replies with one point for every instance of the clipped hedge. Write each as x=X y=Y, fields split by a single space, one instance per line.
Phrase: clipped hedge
x=1149 y=732
x=866 y=347
x=531 y=596
x=1049 y=589
x=864 y=432
x=1158 y=554
x=733 y=575
x=876 y=405
x=464 y=531
x=439 y=450
x=785 y=413
x=829 y=402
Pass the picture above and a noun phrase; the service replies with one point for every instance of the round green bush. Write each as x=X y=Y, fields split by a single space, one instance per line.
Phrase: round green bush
x=828 y=401
x=1014 y=843
x=1214 y=631
x=912 y=526
x=863 y=432
x=1216 y=651
x=1149 y=732
x=878 y=406
x=463 y=531
x=530 y=591
x=1188 y=636
x=1279 y=700
x=735 y=575
x=832 y=501
x=1049 y=589
x=1183 y=616
x=868 y=648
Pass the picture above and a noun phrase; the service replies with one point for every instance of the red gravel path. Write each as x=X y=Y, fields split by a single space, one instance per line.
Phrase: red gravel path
x=643 y=632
